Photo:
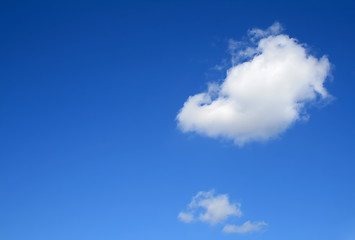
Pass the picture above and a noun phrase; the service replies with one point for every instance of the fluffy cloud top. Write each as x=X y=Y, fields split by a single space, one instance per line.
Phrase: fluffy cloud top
x=247 y=227
x=206 y=207
x=262 y=96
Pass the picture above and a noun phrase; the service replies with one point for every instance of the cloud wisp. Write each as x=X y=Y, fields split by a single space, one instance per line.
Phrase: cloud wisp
x=246 y=227
x=215 y=209
x=269 y=87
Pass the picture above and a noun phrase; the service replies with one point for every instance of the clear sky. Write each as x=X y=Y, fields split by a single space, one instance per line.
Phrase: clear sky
x=92 y=146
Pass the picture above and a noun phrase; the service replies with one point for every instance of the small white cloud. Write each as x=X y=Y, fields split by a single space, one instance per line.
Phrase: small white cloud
x=247 y=227
x=210 y=208
x=262 y=96
x=213 y=209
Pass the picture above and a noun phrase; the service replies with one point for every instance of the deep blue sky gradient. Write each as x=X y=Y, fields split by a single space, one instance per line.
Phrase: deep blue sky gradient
x=89 y=92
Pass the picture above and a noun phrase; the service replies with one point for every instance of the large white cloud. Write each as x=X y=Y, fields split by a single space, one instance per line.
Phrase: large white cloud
x=210 y=208
x=262 y=96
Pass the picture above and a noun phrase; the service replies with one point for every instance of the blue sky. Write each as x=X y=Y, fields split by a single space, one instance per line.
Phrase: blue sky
x=91 y=146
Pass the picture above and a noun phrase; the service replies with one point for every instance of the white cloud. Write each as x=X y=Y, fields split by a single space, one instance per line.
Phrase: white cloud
x=262 y=96
x=213 y=209
x=247 y=227
x=274 y=29
x=210 y=208
x=186 y=217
